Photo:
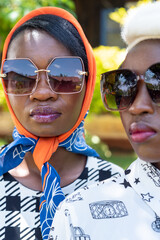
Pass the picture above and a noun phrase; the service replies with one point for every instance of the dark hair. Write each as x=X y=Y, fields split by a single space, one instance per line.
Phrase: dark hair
x=61 y=29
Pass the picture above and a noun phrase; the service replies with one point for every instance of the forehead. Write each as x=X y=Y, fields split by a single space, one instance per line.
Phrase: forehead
x=37 y=45
x=27 y=38
x=142 y=56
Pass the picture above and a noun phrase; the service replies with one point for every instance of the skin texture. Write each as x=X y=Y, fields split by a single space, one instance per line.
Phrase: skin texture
x=30 y=44
x=143 y=113
x=41 y=48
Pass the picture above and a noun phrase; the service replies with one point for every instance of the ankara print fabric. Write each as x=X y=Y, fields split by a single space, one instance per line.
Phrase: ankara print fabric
x=124 y=208
x=19 y=206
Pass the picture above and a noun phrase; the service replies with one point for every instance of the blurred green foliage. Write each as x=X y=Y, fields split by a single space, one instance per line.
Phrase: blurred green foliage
x=120 y=13
x=123 y=159
x=3 y=105
x=2 y=142
x=12 y=10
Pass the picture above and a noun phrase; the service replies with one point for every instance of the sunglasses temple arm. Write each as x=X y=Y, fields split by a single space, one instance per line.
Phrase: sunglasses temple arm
x=83 y=73
x=3 y=75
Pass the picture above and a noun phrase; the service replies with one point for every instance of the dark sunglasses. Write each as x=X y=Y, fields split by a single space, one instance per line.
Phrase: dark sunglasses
x=119 y=87
x=64 y=75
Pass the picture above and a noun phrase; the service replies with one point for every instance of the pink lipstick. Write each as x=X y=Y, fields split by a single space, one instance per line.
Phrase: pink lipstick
x=140 y=132
x=44 y=114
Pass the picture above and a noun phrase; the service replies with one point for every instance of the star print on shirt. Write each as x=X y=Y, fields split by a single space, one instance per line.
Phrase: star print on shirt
x=126 y=184
x=137 y=180
x=146 y=197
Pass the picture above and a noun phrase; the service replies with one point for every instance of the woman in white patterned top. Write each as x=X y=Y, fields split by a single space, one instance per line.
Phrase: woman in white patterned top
x=127 y=208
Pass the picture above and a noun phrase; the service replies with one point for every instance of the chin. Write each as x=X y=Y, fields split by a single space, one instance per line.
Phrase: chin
x=47 y=131
x=44 y=133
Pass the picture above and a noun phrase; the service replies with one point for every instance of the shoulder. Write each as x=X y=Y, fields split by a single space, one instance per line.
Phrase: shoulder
x=106 y=169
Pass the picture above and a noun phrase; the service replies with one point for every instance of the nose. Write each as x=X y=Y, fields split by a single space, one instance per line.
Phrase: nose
x=43 y=91
x=142 y=102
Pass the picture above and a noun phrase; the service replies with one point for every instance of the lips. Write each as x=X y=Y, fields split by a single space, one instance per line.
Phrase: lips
x=44 y=114
x=140 y=132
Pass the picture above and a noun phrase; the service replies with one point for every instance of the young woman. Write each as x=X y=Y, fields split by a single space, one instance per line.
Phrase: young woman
x=128 y=207
x=48 y=74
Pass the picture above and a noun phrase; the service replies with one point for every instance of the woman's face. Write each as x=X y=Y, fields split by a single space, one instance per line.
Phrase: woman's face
x=43 y=113
x=142 y=120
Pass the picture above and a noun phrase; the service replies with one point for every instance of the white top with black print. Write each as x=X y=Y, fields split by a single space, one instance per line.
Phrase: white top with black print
x=19 y=206
x=127 y=208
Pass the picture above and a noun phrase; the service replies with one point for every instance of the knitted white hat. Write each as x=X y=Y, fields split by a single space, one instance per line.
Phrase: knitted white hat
x=142 y=23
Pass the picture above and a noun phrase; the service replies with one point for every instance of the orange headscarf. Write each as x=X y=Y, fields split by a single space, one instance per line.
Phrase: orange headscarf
x=47 y=145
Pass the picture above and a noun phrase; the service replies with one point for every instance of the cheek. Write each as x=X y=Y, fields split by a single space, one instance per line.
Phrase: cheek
x=13 y=103
x=125 y=120
x=73 y=105
x=18 y=105
x=74 y=102
x=81 y=98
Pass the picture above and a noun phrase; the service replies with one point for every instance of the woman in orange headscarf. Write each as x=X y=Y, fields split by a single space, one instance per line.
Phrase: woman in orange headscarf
x=48 y=74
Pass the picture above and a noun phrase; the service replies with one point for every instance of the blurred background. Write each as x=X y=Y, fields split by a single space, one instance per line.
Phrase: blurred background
x=101 y=21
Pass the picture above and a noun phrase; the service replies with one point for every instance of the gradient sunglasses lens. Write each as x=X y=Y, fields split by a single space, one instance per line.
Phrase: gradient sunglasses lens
x=118 y=89
x=18 y=76
x=152 y=80
x=66 y=75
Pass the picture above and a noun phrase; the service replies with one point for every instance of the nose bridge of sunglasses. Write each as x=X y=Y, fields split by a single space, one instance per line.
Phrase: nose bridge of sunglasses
x=42 y=70
x=38 y=71
x=140 y=77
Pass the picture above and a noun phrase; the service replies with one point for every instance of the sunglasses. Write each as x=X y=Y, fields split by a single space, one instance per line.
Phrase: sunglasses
x=64 y=75
x=119 y=87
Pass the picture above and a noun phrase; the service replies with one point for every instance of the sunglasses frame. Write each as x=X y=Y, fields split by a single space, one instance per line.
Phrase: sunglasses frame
x=138 y=77
x=83 y=73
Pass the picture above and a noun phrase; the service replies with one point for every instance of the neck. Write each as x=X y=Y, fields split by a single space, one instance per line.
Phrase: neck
x=68 y=165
